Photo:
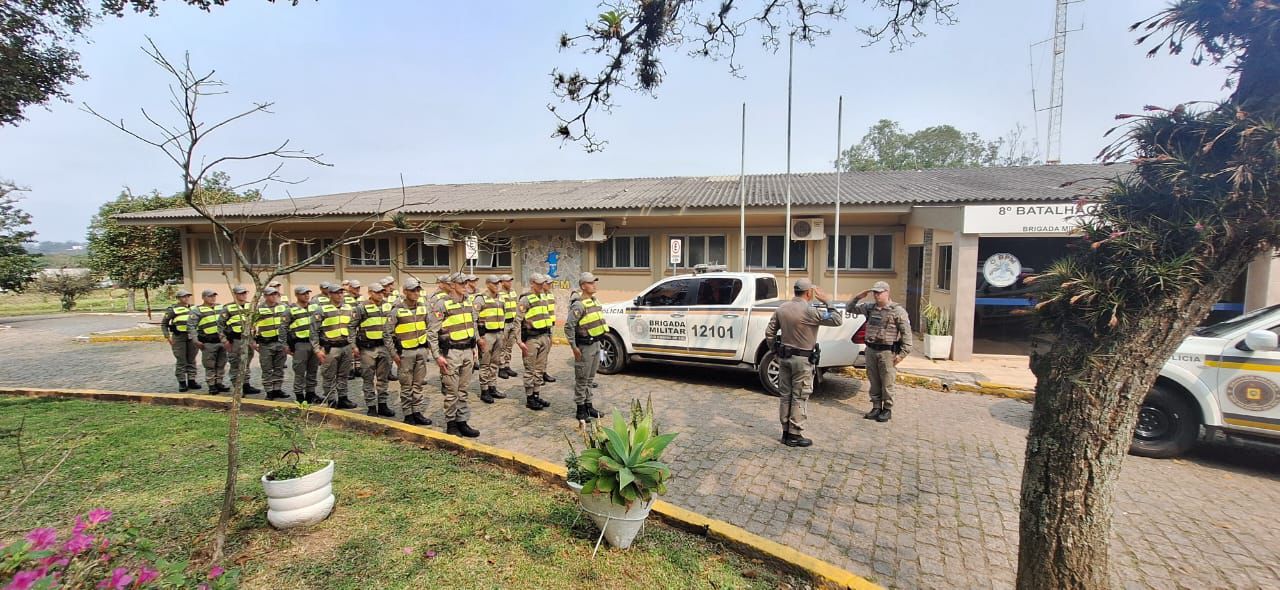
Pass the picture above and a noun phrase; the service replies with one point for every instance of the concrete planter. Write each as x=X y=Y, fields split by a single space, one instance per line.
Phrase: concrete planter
x=303 y=501
x=619 y=523
x=937 y=347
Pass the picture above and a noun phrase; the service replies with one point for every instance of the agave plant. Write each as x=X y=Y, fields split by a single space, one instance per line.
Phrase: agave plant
x=623 y=460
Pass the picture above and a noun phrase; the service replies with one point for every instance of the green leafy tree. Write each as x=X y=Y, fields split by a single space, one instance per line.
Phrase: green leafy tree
x=37 y=62
x=143 y=257
x=887 y=147
x=17 y=266
x=67 y=285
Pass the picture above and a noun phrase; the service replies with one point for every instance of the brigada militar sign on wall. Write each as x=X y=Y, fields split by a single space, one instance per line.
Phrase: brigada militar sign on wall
x=1002 y=269
x=1024 y=219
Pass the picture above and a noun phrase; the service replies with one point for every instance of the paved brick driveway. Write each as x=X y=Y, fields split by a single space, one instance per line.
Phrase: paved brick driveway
x=928 y=500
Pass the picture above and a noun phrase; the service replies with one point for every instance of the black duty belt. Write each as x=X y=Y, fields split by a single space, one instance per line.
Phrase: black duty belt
x=214 y=339
x=509 y=321
x=467 y=344
x=262 y=340
x=367 y=344
x=531 y=334
x=876 y=346
x=586 y=340
x=234 y=336
x=334 y=343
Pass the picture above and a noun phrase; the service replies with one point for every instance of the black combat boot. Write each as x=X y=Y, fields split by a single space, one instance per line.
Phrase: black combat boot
x=502 y=373
x=885 y=415
x=277 y=394
x=372 y=410
x=385 y=412
x=192 y=385
x=548 y=378
x=214 y=389
x=417 y=419
x=299 y=397
x=795 y=440
x=312 y=398
x=222 y=388
x=452 y=428
x=485 y=395
x=250 y=390
x=531 y=402
x=592 y=412
x=581 y=414
x=342 y=403
x=538 y=398
x=182 y=385
x=873 y=414
x=495 y=394
x=466 y=430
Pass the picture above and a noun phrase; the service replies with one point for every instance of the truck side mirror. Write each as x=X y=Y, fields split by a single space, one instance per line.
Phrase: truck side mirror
x=636 y=301
x=1262 y=341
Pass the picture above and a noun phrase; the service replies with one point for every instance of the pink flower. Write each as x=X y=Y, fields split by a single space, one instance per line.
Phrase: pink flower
x=24 y=580
x=216 y=572
x=98 y=516
x=1199 y=227
x=42 y=539
x=146 y=575
x=78 y=543
x=81 y=525
x=408 y=550
x=428 y=554
x=202 y=586
x=120 y=579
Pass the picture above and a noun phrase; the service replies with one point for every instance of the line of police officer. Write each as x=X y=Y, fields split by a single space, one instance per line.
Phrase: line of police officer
x=339 y=333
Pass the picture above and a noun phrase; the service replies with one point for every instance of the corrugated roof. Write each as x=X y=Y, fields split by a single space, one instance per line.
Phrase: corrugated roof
x=919 y=187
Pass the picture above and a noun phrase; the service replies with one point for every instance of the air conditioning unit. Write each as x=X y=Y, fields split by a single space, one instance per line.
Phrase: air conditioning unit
x=590 y=231
x=807 y=228
x=440 y=236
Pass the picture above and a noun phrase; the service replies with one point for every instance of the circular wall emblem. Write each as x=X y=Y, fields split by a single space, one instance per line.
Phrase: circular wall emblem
x=1002 y=270
x=1253 y=393
x=640 y=328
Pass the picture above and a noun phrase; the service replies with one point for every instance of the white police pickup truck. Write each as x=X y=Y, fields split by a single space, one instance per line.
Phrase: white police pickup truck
x=1225 y=377
x=714 y=319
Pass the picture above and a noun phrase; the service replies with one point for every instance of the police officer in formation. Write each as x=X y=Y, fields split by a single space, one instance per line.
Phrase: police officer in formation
x=174 y=328
x=406 y=336
x=452 y=333
x=793 y=333
x=205 y=329
x=303 y=345
x=270 y=341
x=234 y=315
x=491 y=322
x=584 y=327
x=888 y=340
x=510 y=302
x=534 y=313
x=370 y=320
x=335 y=341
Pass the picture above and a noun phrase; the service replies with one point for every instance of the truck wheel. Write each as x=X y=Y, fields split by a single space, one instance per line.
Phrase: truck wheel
x=615 y=355
x=1167 y=425
x=768 y=370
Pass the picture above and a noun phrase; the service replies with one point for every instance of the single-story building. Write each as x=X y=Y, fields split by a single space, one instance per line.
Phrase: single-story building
x=961 y=239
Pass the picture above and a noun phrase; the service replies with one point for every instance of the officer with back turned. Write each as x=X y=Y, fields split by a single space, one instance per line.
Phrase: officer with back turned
x=793 y=333
x=888 y=342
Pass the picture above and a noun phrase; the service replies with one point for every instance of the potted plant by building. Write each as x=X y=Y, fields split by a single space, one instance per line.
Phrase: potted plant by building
x=299 y=488
x=937 y=332
x=621 y=473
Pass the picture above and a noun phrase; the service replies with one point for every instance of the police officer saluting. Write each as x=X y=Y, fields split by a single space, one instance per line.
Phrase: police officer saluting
x=269 y=342
x=584 y=327
x=406 y=335
x=204 y=326
x=174 y=328
x=888 y=342
x=793 y=332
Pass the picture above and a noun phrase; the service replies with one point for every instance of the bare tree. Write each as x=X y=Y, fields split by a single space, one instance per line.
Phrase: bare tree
x=631 y=35
x=183 y=141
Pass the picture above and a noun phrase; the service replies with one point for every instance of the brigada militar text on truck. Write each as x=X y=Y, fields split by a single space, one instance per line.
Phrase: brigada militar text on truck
x=714 y=318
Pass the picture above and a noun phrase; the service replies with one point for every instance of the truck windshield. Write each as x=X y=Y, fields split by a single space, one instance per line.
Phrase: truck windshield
x=1225 y=327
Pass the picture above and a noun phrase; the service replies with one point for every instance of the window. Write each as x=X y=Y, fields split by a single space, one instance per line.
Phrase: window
x=314 y=246
x=416 y=253
x=371 y=252
x=701 y=250
x=766 y=288
x=766 y=252
x=623 y=252
x=495 y=253
x=718 y=291
x=209 y=253
x=669 y=293
x=943 y=263
x=861 y=251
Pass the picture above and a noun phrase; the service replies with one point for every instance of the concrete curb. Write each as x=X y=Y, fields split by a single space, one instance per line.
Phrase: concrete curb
x=97 y=339
x=824 y=575
x=937 y=384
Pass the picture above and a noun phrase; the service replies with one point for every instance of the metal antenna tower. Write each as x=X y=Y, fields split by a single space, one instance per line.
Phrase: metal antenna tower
x=1053 y=149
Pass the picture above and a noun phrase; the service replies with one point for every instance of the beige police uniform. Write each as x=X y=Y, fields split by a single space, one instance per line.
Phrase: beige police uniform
x=797 y=321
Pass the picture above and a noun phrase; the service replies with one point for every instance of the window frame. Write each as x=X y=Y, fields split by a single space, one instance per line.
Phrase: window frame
x=318 y=243
x=508 y=243
x=845 y=249
x=411 y=243
x=611 y=244
x=705 y=280
x=358 y=246
x=227 y=259
x=764 y=253
x=692 y=290
x=940 y=268
x=685 y=249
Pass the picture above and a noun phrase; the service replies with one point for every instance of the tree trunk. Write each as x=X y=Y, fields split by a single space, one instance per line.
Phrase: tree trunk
x=1088 y=394
x=233 y=432
x=131 y=301
x=146 y=297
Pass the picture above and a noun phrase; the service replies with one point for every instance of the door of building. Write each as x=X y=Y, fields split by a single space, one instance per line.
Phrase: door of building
x=915 y=283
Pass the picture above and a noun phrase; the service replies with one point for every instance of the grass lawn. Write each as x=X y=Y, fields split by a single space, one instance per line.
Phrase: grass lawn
x=102 y=300
x=489 y=528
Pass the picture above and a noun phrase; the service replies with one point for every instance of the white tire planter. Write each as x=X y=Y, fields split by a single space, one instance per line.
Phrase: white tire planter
x=303 y=501
x=619 y=524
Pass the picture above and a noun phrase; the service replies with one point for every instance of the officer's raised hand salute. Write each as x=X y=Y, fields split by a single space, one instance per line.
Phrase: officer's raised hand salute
x=794 y=327
x=889 y=341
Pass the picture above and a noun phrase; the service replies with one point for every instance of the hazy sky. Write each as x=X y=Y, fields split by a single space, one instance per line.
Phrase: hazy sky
x=456 y=92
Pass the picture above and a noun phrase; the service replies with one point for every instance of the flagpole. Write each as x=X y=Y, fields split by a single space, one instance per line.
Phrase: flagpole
x=835 y=288
x=786 y=252
x=741 y=199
